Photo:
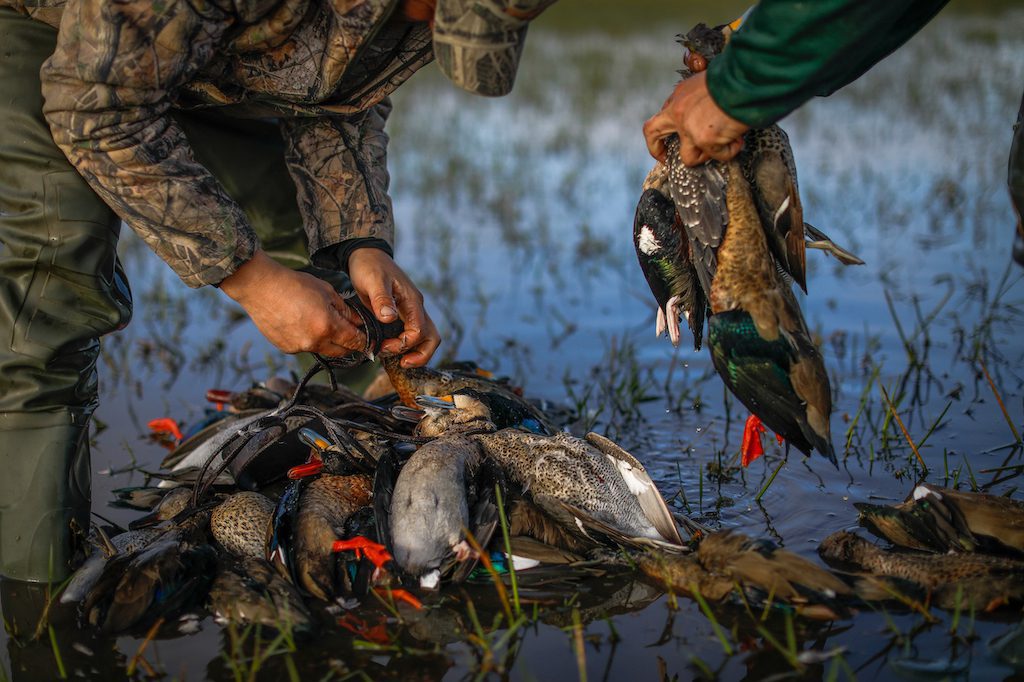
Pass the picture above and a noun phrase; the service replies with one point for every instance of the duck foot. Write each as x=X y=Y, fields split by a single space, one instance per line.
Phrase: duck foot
x=375 y=552
x=752 y=447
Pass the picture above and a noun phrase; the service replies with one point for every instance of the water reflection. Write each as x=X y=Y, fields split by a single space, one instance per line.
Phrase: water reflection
x=515 y=216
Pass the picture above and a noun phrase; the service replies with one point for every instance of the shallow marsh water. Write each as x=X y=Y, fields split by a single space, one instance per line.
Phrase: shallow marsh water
x=515 y=216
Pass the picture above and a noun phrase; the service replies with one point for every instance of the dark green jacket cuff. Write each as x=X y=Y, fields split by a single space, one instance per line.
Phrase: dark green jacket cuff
x=791 y=50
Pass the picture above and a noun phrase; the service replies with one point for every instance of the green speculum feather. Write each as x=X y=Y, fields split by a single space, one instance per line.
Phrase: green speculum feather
x=735 y=340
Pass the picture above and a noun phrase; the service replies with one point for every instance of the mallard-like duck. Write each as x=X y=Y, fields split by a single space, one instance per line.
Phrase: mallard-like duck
x=946 y=520
x=953 y=580
x=731 y=236
x=726 y=561
x=760 y=344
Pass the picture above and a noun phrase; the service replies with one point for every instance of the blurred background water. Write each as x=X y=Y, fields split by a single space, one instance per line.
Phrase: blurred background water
x=515 y=217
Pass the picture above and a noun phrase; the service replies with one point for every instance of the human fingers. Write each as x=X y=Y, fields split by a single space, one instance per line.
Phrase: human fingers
x=414 y=317
x=421 y=353
x=342 y=334
x=724 y=152
x=656 y=129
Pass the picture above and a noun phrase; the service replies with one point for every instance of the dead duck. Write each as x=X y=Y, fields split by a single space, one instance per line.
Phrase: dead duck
x=508 y=409
x=310 y=516
x=241 y=524
x=248 y=590
x=953 y=580
x=760 y=343
x=446 y=487
x=945 y=520
x=104 y=546
x=726 y=561
x=589 y=487
x=170 y=573
x=732 y=220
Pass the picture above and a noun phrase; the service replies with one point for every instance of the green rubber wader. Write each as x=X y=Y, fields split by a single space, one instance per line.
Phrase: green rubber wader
x=62 y=287
x=1015 y=180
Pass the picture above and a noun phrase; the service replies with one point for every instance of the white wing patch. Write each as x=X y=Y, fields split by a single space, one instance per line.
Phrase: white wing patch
x=634 y=481
x=921 y=492
x=648 y=242
x=521 y=563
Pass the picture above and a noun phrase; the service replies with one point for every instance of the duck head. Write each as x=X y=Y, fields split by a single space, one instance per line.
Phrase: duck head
x=462 y=412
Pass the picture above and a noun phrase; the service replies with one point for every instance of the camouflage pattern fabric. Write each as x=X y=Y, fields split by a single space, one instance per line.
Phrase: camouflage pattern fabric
x=324 y=69
x=478 y=43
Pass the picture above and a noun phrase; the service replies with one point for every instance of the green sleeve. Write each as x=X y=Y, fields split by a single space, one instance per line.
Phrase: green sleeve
x=791 y=50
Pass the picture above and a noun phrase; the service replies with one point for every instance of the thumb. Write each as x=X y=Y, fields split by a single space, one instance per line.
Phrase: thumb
x=382 y=302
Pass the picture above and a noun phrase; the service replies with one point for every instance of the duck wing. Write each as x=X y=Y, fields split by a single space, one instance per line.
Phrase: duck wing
x=641 y=485
x=768 y=166
x=699 y=196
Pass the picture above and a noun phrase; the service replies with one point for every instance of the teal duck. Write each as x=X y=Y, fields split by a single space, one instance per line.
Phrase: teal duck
x=507 y=407
x=170 y=573
x=165 y=506
x=325 y=507
x=248 y=590
x=727 y=561
x=446 y=487
x=726 y=240
x=945 y=520
x=241 y=524
x=590 y=489
x=953 y=580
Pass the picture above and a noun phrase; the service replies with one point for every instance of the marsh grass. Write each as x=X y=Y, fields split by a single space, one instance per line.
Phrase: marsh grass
x=515 y=218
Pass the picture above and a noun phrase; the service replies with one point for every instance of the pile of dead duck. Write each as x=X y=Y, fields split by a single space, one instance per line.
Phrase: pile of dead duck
x=302 y=494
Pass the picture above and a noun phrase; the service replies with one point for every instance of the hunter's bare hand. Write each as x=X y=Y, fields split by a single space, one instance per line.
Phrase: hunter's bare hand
x=705 y=131
x=295 y=311
x=389 y=293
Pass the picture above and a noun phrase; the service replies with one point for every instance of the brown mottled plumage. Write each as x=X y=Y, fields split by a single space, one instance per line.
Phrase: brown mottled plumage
x=564 y=475
x=250 y=591
x=981 y=580
x=324 y=507
x=241 y=524
x=778 y=374
x=944 y=520
x=728 y=560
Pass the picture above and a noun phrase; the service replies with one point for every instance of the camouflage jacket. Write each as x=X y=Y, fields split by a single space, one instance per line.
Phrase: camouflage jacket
x=323 y=68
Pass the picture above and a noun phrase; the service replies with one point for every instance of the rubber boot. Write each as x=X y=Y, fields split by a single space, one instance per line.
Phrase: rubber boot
x=44 y=493
x=45 y=642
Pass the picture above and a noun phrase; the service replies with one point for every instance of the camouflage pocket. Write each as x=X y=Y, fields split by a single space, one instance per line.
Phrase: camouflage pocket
x=78 y=289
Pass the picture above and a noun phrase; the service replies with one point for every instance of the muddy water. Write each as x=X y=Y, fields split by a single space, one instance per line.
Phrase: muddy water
x=515 y=216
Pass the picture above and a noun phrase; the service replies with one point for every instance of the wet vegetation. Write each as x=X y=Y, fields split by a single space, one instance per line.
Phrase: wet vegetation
x=515 y=218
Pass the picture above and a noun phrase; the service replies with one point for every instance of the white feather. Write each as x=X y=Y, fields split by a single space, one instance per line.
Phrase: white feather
x=780 y=210
x=921 y=492
x=429 y=581
x=648 y=243
x=634 y=481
